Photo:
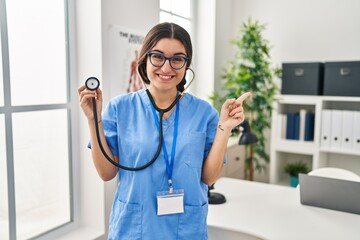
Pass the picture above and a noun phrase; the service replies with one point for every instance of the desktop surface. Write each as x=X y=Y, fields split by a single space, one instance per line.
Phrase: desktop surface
x=274 y=212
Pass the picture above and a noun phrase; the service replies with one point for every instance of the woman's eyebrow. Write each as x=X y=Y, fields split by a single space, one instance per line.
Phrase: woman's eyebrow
x=179 y=53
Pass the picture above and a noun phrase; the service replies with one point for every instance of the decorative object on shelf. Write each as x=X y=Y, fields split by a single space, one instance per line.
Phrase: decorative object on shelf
x=215 y=198
x=293 y=169
x=248 y=138
x=304 y=78
x=251 y=71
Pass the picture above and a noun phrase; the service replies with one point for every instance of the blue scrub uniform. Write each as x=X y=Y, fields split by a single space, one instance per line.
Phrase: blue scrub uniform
x=132 y=135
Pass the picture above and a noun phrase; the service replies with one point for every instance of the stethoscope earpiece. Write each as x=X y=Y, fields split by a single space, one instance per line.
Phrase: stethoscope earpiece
x=92 y=83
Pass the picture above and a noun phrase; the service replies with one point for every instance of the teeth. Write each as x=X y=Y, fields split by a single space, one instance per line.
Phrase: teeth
x=163 y=76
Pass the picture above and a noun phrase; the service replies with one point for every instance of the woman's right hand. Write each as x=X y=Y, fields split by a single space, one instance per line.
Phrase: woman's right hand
x=86 y=104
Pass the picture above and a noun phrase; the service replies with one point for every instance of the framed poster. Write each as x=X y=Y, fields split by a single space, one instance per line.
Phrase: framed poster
x=124 y=48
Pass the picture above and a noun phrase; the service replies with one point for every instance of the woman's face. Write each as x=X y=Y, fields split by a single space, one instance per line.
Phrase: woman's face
x=165 y=77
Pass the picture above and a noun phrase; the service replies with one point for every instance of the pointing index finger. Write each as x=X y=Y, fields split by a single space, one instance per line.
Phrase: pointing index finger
x=243 y=97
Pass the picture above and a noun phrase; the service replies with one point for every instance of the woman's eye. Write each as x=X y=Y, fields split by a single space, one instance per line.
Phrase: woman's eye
x=177 y=59
x=158 y=56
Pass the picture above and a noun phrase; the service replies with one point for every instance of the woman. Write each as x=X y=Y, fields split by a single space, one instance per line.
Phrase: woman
x=168 y=199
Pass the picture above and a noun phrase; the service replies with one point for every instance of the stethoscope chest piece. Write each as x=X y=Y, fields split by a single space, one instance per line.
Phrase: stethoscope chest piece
x=92 y=83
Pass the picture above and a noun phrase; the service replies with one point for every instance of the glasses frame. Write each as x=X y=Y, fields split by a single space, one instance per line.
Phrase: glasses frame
x=167 y=58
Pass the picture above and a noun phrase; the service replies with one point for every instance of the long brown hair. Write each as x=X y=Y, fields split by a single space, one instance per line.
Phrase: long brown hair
x=158 y=32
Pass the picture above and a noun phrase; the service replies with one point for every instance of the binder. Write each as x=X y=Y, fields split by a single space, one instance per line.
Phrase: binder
x=356 y=131
x=336 y=129
x=297 y=126
x=290 y=122
x=282 y=126
x=302 y=124
x=325 y=128
x=347 y=129
x=309 y=126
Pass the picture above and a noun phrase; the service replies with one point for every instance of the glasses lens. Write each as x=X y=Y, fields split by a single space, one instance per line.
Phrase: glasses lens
x=177 y=62
x=157 y=59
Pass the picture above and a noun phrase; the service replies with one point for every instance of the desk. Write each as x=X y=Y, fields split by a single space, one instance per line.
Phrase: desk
x=263 y=211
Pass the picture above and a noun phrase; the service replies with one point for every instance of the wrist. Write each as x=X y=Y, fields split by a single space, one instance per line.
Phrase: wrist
x=223 y=128
x=91 y=121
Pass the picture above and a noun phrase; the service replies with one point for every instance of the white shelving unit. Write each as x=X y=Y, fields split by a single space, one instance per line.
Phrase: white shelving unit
x=284 y=150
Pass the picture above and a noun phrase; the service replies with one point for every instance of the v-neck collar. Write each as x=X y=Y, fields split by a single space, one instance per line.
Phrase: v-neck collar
x=171 y=118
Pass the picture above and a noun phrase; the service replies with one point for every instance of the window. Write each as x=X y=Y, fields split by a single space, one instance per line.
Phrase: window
x=177 y=11
x=35 y=113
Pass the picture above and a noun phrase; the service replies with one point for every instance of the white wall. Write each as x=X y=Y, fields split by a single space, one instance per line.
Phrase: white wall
x=306 y=30
x=204 y=49
x=298 y=31
x=88 y=37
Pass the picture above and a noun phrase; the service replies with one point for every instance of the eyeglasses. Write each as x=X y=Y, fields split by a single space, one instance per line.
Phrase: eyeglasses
x=158 y=60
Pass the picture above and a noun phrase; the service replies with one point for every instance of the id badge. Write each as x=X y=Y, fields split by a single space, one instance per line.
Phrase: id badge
x=170 y=203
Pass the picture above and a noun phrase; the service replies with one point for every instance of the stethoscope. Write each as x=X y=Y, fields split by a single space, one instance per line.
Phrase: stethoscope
x=92 y=83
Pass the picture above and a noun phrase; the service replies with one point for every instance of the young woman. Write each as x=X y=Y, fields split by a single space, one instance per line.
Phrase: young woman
x=168 y=199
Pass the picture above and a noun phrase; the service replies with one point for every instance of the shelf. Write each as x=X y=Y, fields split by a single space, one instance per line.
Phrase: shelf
x=340 y=151
x=316 y=156
x=295 y=146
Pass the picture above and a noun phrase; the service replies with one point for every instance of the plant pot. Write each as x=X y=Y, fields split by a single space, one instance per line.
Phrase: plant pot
x=294 y=181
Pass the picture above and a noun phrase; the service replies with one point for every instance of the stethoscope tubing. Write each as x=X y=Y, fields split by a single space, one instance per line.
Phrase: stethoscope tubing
x=114 y=162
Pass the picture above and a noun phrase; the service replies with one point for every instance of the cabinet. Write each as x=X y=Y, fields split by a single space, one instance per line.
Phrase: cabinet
x=316 y=155
x=234 y=168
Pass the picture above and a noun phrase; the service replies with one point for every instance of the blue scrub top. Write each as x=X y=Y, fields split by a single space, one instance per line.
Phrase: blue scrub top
x=133 y=136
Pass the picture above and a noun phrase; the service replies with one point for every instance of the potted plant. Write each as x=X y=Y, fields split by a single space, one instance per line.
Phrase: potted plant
x=251 y=71
x=293 y=169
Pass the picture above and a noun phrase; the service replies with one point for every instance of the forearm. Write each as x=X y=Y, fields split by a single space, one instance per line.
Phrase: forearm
x=105 y=169
x=214 y=162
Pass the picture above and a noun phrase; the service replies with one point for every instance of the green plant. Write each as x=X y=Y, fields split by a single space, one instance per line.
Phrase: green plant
x=251 y=71
x=293 y=169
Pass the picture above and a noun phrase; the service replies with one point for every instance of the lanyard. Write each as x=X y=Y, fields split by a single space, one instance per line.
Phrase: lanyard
x=169 y=162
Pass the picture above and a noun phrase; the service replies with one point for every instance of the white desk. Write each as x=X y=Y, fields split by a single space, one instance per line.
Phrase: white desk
x=263 y=211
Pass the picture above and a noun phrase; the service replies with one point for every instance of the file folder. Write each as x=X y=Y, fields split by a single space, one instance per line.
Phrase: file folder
x=347 y=129
x=356 y=132
x=325 y=128
x=336 y=129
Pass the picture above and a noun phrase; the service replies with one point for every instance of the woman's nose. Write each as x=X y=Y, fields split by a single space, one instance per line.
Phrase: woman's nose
x=166 y=67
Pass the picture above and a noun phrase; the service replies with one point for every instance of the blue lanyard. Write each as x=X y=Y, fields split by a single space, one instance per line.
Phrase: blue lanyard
x=169 y=162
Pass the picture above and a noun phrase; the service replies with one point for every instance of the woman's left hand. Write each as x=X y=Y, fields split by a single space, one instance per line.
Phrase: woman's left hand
x=232 y=112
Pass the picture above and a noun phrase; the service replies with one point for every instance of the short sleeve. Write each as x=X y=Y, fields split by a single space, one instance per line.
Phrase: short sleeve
x=109 y=123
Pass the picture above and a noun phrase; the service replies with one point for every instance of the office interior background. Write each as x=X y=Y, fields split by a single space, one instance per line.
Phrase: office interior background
x=49 y=187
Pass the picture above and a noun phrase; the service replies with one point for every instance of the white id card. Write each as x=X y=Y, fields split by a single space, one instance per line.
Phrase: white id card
x=170 y=203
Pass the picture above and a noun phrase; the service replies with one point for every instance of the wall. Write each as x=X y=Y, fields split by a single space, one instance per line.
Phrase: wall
x=298 y=31
x=204 y=49
x=305 y=30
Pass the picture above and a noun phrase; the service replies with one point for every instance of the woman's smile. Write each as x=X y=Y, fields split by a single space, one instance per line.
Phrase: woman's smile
x=165 y=77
